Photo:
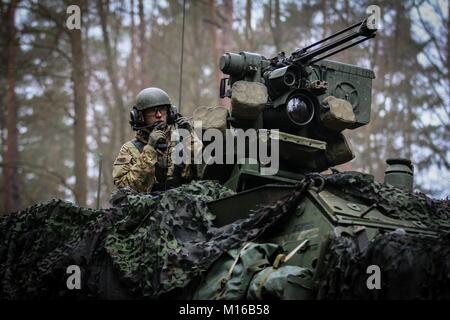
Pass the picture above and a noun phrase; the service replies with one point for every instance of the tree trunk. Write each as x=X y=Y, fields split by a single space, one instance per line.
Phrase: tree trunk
x=111 y=70
x=275 y=24
x=325 y=18
x=145 y=77
x=134 y=85
x=448 y=47
x=2 y=129
x=228 y=26
x=248 y=25
x=110 y=148
x=228 y=45
x=215 y=48
x=80 y=131
x=11 y=177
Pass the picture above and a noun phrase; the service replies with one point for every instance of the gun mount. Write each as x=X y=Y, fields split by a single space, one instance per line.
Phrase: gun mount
x=310 y=101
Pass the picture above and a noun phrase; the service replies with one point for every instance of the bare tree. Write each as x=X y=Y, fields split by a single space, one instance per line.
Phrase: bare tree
x=11 y=177
x=215 y=43
x=248 y=25
x=145 y=76
x=133 y=67
x=228 y=26
x=111 y=67
x=325 y=18
x=275 y=23
x=80 y=130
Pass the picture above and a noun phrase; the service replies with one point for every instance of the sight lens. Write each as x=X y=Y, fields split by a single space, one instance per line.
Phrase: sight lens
x=289 y=79
x=300 y=110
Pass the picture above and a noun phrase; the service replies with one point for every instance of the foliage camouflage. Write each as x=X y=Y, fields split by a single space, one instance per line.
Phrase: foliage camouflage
x=395 y=203
x=412 y=268
x=146 y=245
x=151 y=245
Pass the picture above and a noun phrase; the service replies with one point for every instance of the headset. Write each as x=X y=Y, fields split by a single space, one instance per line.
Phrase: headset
x=137 y=120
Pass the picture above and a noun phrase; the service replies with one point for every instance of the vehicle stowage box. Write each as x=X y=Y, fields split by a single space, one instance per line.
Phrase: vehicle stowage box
x=348 y=82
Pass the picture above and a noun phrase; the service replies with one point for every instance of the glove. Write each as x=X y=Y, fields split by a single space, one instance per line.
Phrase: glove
x=156 y=137
x=183 y=123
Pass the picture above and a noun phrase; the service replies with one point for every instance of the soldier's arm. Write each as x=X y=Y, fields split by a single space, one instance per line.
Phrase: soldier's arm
x=139 y=175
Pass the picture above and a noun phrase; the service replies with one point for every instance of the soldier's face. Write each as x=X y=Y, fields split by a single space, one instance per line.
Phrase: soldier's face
x=157 y=114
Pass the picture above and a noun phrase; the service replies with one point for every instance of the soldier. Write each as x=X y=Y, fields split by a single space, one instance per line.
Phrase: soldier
x=145 y=163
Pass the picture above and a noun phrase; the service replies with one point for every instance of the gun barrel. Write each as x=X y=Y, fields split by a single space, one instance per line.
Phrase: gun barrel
x=333 y=35
x=305 y=57
x=341 y=49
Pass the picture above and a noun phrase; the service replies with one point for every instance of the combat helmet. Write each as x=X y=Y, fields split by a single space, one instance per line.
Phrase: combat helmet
x=146 y=99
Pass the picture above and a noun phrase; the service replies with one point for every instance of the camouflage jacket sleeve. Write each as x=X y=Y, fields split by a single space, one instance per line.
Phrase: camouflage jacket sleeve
x=135 y=170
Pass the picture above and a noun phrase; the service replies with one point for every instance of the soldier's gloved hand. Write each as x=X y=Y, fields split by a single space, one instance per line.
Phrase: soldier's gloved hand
x=183 y=123
x=156 y=137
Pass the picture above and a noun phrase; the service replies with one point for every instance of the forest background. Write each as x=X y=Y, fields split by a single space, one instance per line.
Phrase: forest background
x=65 y=95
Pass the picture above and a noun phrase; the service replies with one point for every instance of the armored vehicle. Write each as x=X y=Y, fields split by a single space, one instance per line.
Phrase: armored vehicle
x=348 y=236
x=258 y=226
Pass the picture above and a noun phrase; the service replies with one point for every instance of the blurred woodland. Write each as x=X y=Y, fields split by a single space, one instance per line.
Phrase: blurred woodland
x=65 y=94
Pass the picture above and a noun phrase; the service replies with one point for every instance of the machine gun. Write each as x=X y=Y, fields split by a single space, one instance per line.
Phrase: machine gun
x=293 y=81
x=310 y=100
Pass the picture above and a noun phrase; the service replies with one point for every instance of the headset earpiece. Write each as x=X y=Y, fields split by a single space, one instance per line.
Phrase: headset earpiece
x=137 y=120
x=173 y=114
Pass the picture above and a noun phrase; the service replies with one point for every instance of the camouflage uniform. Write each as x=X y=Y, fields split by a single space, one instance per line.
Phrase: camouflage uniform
x=142 y=170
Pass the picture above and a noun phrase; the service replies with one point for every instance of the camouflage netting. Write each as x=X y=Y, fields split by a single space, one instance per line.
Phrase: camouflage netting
x=393 y=202
x=155 y=244
x=147 y=246
x=410 y=268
